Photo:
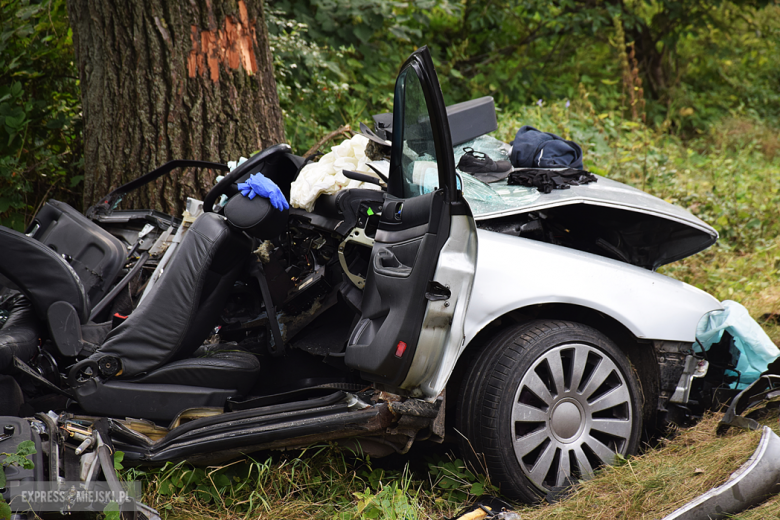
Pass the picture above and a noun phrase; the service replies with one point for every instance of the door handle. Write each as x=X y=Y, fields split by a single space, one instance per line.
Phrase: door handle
x=386 y=263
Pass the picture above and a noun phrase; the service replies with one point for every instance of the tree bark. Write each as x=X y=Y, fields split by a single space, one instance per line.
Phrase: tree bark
x=164 y=80
x=652 y=61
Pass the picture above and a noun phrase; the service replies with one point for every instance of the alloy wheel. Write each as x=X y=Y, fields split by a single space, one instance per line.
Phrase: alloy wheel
x=572 y=414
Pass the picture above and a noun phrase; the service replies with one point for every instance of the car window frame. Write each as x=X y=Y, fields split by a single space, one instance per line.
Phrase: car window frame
x=421 y=63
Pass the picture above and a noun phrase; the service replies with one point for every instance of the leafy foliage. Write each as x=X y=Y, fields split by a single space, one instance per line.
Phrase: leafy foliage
x=392 y=499
x=40 y=126
x=337 y=60
x=320 y=49
x=111 y=511
x=18 y=458
x=454 y=481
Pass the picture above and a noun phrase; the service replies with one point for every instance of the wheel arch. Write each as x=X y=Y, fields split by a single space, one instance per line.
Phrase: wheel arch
x=640 y=352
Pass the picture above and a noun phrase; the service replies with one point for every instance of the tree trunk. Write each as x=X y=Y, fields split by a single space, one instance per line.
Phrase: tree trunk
x=164 y=80
x=652 y=62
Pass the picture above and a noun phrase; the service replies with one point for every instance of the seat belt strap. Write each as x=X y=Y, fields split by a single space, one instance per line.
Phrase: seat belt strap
x=277 y=349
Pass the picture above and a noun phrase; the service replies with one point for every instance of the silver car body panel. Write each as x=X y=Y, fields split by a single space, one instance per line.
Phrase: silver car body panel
x=608 y=193
x=444 y=320
x=514 y=272
x=606 y=218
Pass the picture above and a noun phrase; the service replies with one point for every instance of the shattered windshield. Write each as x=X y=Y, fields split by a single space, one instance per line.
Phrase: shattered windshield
x=496 y=196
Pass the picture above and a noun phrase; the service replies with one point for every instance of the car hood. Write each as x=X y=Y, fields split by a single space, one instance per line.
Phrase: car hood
x=604 y=217
x=605 y=192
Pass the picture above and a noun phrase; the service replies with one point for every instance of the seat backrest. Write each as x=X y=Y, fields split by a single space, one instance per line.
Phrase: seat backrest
x=181 y=310
x=40 y=273
x=95 y=255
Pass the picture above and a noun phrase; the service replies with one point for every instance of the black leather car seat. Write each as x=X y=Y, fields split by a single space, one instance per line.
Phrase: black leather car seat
x=19 y=334
x=53 y=289
x=177 y=315
x=94 y=254
x=157 y=377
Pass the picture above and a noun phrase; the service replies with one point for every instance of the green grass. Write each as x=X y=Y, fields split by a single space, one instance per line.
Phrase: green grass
x=729 y=177
x=329 y=483
x=323 y=482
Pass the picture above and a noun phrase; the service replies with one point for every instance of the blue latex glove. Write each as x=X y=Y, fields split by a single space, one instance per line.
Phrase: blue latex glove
x=259 y=184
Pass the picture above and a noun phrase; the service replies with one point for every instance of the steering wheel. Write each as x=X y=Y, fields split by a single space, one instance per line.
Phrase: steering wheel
x=239 y=171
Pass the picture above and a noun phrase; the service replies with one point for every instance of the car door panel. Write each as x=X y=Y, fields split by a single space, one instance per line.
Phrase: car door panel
x=393 y=308
x=407 y=218
x=401 y=284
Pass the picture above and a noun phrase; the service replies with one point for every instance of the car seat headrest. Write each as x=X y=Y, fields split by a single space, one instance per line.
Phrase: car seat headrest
x=256 y=216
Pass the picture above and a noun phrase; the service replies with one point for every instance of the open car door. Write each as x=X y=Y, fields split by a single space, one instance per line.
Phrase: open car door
x=423 y=260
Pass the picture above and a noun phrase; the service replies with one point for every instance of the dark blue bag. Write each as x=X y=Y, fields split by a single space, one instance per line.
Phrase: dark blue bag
x=534 y=149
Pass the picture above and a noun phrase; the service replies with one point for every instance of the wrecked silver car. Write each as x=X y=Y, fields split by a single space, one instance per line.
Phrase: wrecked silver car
x=532 y=329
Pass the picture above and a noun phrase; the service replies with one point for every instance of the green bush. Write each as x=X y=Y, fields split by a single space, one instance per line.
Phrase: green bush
x=337 y=59
x=40 y=120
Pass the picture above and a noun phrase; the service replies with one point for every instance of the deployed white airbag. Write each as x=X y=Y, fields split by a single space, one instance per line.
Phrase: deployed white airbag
x=325 y=175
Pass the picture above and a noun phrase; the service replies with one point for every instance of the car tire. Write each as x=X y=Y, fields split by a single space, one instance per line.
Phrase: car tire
x=544 y=404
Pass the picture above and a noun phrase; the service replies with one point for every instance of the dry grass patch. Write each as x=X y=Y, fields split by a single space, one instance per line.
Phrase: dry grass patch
x=767 y=510
x=661 y=480
x=735 y=133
